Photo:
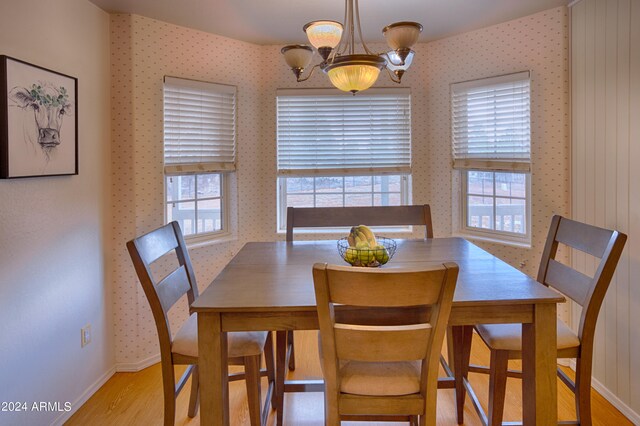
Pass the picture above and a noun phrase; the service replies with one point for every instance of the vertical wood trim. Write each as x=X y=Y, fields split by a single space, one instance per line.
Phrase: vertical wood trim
x=622 y=283
x=605 y=95
x=609 y=33
x=633 y=244
x=578 y=119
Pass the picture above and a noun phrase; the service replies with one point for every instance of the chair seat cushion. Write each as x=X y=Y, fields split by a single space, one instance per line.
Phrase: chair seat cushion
x=509 y=336
x=380 y=378
x=243 y=343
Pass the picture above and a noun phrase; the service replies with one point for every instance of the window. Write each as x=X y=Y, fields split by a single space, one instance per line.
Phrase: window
x=339 y=150
x=199 y=152
x=195 y=201
x=491 y=142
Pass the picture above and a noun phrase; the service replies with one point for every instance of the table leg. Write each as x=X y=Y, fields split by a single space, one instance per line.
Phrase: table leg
x=281 y=371
x=539 y=363
x=214 y=371
x=461 y=347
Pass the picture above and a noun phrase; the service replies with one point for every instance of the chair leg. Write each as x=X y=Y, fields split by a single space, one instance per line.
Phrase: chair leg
x=271 y=367
x=194 y=399
x=281 y=360
x=169 y=391
x=291 y=351
x=583 y=392
x=252 y=379
x=497 y=386
x=331 y=415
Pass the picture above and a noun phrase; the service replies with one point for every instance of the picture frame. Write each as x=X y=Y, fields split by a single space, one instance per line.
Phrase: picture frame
x=38 y=121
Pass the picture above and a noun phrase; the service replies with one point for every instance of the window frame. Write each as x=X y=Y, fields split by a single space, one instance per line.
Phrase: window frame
x=224 y=206
x=493 y=234
x=222 y=165
x=492 y=162
x=405 y=199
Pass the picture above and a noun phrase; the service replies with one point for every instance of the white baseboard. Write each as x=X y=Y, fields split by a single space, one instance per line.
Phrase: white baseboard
x=88 y=393
x=612 y=398
x=132 y=367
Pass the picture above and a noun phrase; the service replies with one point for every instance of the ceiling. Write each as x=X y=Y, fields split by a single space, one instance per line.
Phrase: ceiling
x=281 y=21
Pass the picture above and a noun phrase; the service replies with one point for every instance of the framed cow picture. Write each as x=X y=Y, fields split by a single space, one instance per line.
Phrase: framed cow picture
x=38 y=121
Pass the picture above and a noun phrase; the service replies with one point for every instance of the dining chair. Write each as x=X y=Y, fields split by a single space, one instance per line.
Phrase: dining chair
x=376 y=364
x=244 y=348
x=323 y=217
x=505 y=340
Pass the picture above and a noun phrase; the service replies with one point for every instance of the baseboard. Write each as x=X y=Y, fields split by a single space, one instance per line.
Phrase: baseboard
x=612 y=398
x=133 y=367
x=88 y=393
x=119 y=367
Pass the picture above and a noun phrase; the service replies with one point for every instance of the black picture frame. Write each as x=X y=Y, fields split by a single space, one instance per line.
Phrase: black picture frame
x=38 y=121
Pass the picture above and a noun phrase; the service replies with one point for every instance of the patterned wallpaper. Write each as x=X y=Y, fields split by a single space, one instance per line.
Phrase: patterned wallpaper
x=538 y=43
x=144 y=50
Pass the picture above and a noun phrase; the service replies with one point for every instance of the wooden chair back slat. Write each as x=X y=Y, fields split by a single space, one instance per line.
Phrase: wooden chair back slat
x=162 y=295
x=154 y=245
x=570 y=282
x=581 y=236
x=323 y=217
x=382 y=343
x=605 y=244
x=380 y=287
x=173 y=287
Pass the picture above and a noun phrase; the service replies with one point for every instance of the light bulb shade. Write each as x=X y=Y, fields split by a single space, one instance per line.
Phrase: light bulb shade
x=394 y=62
x=297 y=56
x=402 y=35
x=323 y=33
x=353 y=73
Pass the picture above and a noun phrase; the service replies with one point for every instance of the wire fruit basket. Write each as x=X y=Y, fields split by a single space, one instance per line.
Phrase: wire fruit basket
x=370 y=257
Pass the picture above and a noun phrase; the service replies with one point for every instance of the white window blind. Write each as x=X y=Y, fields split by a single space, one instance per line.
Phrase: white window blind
x=199 y=126
x=490 y=123
x=324 y=133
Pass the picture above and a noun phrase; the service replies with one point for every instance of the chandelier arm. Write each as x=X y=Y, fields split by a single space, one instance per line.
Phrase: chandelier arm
x=300 y=80
x=351 y=37
x=341 y=45
x=366 y=49
x=391 y=76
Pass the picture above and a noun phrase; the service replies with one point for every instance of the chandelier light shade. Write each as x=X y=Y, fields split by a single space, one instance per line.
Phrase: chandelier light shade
x=402 y=35
x=347 y=70
x=323 y=33
x=396 y=65
x=354 y=73
x=298 y=57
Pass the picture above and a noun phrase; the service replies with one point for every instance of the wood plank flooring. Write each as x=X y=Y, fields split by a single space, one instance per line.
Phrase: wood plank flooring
x=136 y=398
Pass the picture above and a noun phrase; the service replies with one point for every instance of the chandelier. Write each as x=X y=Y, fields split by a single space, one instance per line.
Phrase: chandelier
x=350 y=71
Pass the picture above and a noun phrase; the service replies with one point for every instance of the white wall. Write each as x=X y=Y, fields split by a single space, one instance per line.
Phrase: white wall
x=606 y=178
x=52 y=229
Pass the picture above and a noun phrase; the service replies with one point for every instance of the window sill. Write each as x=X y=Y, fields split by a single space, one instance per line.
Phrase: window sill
x=494 y=239
x=198 y=241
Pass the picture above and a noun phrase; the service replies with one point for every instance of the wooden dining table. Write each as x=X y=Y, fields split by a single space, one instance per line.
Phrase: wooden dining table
x=269 y=286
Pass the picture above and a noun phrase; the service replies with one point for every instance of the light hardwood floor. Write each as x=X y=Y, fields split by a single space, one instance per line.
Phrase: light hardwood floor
x=136 y=398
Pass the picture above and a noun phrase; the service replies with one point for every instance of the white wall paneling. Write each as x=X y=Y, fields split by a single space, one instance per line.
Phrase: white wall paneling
x=605 y=94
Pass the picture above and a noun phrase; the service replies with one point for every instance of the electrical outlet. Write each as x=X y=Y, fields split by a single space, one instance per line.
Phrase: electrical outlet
x=85 y=335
